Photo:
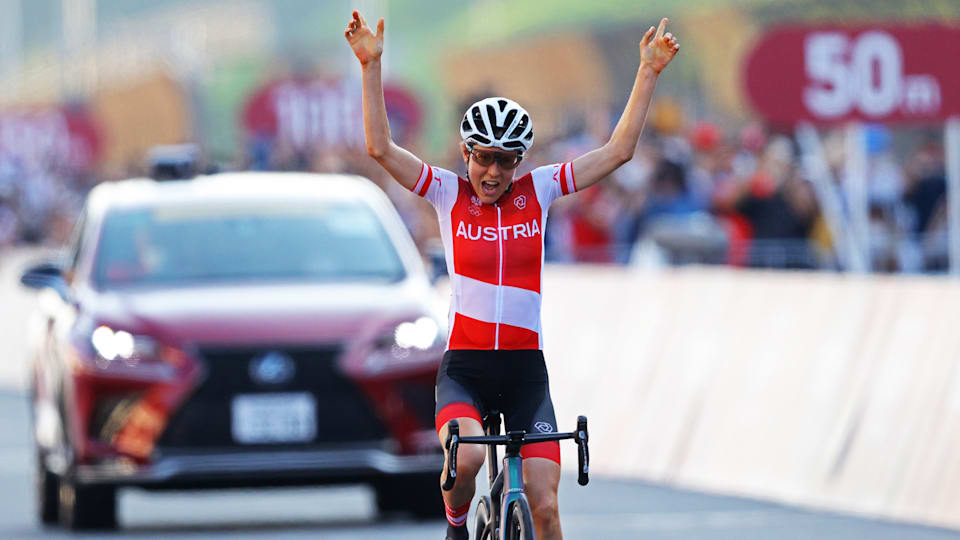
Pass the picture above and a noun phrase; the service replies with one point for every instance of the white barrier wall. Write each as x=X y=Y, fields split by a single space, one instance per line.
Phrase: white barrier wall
x=810 y=388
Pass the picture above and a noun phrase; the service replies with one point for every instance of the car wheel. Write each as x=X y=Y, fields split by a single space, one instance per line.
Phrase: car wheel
x=87 y=507
x=47 y=492
x=416 y=494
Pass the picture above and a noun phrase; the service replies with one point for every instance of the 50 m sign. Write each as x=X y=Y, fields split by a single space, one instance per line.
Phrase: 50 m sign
x=889 y=74
x=864 y=74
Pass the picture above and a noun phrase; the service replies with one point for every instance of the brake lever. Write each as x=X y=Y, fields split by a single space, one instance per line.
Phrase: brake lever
x=451 y=445
x=583 y=456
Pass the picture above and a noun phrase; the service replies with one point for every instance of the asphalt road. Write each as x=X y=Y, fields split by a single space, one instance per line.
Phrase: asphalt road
x=607 y=508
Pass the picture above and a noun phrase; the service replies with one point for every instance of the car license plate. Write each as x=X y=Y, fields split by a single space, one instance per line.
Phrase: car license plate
x=274 y=418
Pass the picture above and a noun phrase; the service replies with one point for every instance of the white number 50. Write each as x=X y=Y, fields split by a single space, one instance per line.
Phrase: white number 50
x=866 y=73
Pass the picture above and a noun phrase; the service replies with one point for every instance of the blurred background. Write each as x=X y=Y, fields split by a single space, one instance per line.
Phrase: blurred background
x=787 y=135
x=719 y=177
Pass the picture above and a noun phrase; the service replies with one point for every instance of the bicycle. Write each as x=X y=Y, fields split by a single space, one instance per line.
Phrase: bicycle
x=511 y=519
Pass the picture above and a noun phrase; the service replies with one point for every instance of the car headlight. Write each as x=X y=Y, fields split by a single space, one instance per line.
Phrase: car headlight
x=112 y=345
x=421 y=334
x=406 y=343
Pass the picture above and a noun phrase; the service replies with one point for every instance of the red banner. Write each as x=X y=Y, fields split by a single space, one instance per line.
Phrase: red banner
x=62 y=138
x=871 y=73
x=307 y=113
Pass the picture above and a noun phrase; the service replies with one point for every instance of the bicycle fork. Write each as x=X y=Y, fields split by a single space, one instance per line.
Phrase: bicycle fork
x=506 y=485
x=512 y=488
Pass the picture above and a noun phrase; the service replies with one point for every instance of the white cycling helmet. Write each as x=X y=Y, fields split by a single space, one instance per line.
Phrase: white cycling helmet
x=499 y=122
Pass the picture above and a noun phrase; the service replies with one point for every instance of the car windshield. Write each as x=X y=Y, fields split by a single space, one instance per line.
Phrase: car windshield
x=241 y=242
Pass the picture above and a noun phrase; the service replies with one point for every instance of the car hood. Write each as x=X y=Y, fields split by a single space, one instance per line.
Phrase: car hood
x=246 y=314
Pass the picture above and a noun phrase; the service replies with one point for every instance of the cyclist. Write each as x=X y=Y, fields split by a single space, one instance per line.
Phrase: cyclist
x=492 y=229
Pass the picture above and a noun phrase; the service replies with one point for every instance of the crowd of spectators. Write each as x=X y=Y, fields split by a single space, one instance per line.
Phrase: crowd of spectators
x=38 y=203
x=742 y=197
x=704 y=194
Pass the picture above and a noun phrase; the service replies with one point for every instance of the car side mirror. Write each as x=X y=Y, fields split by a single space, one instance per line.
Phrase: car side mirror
x=44 y=275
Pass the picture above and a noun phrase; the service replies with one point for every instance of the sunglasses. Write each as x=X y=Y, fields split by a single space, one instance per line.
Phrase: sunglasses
x=485 y=158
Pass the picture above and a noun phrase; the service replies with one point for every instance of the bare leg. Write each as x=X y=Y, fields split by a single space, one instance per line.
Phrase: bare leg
x=541 y=478
x=469 y=461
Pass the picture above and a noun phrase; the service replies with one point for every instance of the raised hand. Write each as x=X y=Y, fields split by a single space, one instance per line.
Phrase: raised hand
x=365 y=44
x=657 y=50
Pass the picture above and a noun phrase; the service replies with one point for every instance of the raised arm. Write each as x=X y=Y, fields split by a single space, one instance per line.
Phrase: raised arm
x=368 y=47
x=656 y=51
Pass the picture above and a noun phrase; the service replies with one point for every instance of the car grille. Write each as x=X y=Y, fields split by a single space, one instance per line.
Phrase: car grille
x=344 y=413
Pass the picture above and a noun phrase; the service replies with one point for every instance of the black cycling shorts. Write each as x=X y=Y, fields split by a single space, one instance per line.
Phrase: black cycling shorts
x=472 y=382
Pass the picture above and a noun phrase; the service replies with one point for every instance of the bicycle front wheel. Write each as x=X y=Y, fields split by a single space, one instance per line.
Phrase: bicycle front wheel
x=520 y=524
x=483 y=530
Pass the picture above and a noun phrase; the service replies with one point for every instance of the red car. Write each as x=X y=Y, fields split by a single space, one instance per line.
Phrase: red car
x=236 y=330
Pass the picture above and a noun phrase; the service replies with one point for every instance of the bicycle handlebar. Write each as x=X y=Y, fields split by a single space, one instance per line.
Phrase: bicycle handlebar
x=528 y=438
x=520 y=438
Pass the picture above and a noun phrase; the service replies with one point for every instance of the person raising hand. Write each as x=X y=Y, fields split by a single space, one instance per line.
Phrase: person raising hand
x=491 y=225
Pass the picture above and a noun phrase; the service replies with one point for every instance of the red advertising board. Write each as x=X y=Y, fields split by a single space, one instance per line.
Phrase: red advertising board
x=318 y=113
x=878 y=73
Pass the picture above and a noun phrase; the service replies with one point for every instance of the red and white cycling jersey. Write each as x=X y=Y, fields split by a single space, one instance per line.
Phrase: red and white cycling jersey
x=494 y=255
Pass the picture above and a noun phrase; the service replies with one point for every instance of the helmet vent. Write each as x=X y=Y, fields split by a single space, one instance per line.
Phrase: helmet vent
x=521 y=126
x=492 y=116
x=478 y=120
x=498 y=131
